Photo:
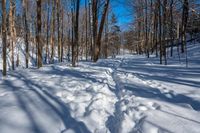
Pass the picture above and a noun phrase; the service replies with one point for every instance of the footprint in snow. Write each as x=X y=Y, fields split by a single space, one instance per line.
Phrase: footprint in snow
x=147 y=106
x=168 y=93
x=144 y=82
x=142 y=108
x=34 y=77
x=153 y=106
x=54 y=76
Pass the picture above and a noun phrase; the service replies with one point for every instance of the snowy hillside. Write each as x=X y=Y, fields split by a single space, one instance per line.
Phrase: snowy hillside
x=128 y=94
x=19 y=49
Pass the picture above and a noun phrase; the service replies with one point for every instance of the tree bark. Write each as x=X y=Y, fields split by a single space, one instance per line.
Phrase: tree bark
x=164 y=30
x=47 y=33
x=4 y=36
x=58 y=28
x=52 y=31
x=160 y=30
x=184 y=24
x=94 y=27
x=38 y=36
x=76 y=34
x=62 y=35
x=171 y=27
x=146 y=29
x=98 y=39
x=25 y=8
x=86 y=30
x=12 y=30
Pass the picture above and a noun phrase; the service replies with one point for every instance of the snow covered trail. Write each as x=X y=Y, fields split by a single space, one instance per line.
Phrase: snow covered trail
x=30 y=107
x=129 y=111
x=159 y=98
x=123 y=95
x=57 y=98
x=154 y=98
x=143 y=96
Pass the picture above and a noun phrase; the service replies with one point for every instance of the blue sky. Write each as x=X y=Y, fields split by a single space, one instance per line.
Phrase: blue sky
x=122 y=13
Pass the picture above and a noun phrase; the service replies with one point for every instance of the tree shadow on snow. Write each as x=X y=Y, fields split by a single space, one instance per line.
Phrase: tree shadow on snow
x=56 y=106
x=153 y=93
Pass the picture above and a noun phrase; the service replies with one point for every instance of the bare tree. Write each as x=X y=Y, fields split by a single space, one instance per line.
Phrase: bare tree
x=184 y=24
x=26 y=32
x=164 y=35
x=171 y=26
x=76 y=33
x=86 y=30
x=4 y=36
x=58 y=28
x=62 y=36
x=12 y=30
x=101 y=27
x=47 y=32
x=53 y=31
x=38 y=35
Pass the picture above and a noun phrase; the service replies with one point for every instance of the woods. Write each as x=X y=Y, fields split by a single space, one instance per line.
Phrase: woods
x=162 y=25
x=99 y=66
x=58 y=31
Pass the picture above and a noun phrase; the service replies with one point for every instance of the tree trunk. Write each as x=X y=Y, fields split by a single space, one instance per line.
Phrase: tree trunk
x=98 y=39
x=171 y=27
x=4 y=36
x=47 y=34
x=94 y=27
x=164 y=30
x=184 y=24
x=106 y=38
x=62 y=41
x=160 y=30
x=72 y=35
x=76 y=34
x=25 y=8
x=146 y=29
x=86 y=31
x=58 y=28
x=52 y=31
x=12 y=30
x=39 y=12
x=90 y=30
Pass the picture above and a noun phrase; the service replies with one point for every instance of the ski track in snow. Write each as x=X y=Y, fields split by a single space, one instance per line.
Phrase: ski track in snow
x=129 y=113
x=129 y=94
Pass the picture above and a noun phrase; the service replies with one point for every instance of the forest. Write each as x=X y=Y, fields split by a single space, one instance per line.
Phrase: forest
x=99 y=66
x=70 y=30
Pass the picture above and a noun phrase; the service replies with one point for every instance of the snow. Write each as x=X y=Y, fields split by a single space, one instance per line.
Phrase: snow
x=127 y=94
x=19 y=48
